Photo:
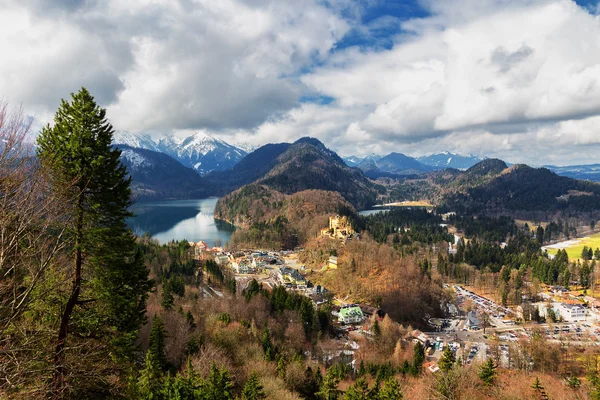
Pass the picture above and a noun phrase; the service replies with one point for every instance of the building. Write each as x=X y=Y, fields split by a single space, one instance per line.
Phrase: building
x=472 y=320
x=222 y=260
x=339 y=227
x=333 y=262
x=572 y=312
x=289 y=275
x=351 y=315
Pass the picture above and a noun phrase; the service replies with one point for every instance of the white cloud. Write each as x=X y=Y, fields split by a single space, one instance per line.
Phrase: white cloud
x=516 y=79
x=474 y=65
x=162 y=65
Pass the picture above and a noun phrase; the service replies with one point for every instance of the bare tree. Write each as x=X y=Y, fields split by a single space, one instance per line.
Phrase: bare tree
x=30 y=240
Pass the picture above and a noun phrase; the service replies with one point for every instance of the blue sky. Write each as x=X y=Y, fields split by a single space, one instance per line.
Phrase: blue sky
x=514 y=79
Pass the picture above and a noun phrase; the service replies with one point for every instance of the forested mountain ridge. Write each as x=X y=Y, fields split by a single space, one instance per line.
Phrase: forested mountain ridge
x=269 y=217
x=158 y=176
x=309 y=165
x=491 y=185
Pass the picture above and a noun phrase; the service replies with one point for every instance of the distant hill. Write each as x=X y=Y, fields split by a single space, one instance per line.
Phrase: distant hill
x=521 y=187
x=449 y=160
x=294 y=167
x=589 y=172
x=158 y=176
x=250 y=168
x=492 y=186
x=308 y=164
x=390 y=165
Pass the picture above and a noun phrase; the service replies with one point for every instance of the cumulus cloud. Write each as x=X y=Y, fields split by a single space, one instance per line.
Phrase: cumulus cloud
x=509 y=78
x=165 y=65
x=474 y=65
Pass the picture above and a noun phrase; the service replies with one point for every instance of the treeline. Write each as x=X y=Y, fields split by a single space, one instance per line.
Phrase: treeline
x=407 y=226
x=527 y=189
x=487 y=229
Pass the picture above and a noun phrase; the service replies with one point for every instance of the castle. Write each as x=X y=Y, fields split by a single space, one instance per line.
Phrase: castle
x=339 y=227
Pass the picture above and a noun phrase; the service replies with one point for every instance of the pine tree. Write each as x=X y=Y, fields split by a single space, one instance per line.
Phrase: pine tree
x=219 y=385
x=418 y=358
x=156 y=346
x=391 y=390
x=253 y=390
x=329 y=390
x=487 y=372
x=447 y=360
x=358 y=391
x=109 y=280
x=150 y=380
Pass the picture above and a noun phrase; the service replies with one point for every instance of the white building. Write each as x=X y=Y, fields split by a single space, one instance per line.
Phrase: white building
x=572 y=312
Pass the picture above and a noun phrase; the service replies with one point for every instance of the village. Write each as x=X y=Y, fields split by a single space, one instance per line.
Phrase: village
x=475 y=327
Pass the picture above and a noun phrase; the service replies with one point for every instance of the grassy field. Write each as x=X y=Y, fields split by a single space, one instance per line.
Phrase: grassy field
x=574 y=249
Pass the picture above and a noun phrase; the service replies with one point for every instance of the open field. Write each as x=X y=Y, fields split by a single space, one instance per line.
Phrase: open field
x=574 y=246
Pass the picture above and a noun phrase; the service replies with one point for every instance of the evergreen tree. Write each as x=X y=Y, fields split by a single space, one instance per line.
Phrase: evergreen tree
x=167 y=296
x=109 y=283
x=447 y=360
x=329 y=390
x=418 y=358
x=253 y=390
x=156 y=346
x=149 y=382
x=358 y=391
x=391 y=390
x=487 y=372
x=219 y=385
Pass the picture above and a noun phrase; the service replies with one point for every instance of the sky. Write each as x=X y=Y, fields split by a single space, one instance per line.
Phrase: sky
x=517 y=80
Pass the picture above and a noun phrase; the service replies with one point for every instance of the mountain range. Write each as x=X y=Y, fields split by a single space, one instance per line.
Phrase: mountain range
x=201 y=151
x=376 y=166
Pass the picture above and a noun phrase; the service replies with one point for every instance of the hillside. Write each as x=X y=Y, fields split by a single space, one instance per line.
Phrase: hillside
x=523 y=188
x=310 y=165
x=491 y=185
x=269 y=217
x=250 y=168
x=157 y=176
x=294 y=167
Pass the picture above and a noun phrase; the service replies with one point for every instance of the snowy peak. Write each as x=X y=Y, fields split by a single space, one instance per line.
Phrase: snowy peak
x=139 y=140
x=201 y=151
x=446 y=159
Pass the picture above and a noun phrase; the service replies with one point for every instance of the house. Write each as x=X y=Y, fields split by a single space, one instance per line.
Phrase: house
x=289 y=275
x=222 y=260
x=333 y=262
x=351 y=314
x=472 y=320
x=572 y=312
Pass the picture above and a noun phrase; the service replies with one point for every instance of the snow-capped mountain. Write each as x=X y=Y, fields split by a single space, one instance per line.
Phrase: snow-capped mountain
x=353 y=161
x=247 y=147
x=139 y=140
x=168 y=144
x=446 y=159
x=156 y=175
x=202 y=152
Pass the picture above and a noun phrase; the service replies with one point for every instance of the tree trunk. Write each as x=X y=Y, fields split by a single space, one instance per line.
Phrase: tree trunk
x=59 y=356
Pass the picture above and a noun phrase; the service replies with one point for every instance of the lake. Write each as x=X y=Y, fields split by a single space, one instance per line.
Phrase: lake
x=366 y=213
x=168 y=220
